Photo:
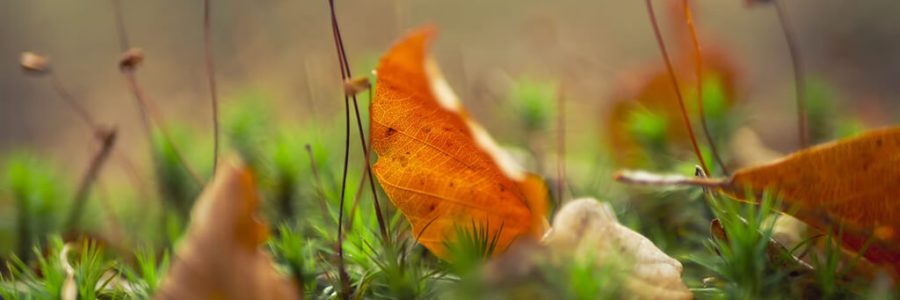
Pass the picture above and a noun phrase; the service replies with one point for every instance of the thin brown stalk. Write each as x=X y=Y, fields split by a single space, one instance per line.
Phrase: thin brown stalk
x=106 y=137
x=320 y=190
x=148 y=111
x=211 y=79
x=115 y=228
x=356 y=199
x=76 y=106
x=346 y=75
x=671 y=70
x=698 y=57
x=148 y=114
x=120 y=25
x=799 y=75
x=342 y=270
x=561 y=145
x=108 y=140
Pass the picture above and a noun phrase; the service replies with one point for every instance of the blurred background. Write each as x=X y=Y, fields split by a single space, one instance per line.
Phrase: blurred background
x=285 y=50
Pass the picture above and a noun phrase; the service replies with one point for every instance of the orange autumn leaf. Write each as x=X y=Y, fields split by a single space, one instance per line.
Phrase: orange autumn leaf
x=221 y=257
x=440 y=169
x=851 y=186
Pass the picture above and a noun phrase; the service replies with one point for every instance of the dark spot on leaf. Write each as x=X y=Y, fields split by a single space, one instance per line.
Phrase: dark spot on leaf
x=391 y=131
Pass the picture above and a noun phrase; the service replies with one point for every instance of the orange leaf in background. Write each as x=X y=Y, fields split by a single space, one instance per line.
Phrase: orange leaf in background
x=852 y=185
x=221 y=256
x=651 y=88
x=439 y=168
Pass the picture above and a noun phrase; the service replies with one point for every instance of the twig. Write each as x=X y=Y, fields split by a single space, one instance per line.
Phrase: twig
x=665 y=56
x=211 y=77
x=698 y=57
x=646 y=178
x=108 y=140
x=799 y=81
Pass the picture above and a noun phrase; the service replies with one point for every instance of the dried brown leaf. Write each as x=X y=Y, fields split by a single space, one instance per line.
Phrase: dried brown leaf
x=221 y=257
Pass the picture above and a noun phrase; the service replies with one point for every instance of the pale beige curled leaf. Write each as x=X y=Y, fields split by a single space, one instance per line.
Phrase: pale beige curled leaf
x=221 y=256
x=587 y=229
x=69 y=288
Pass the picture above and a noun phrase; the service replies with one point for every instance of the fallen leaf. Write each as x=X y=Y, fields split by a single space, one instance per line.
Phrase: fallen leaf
x=849 y=186
x=589 y=228
x=221 y=257
x=652 y=91
x=440 y=169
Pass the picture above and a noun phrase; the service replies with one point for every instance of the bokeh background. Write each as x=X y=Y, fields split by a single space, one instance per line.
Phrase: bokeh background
x=284 y=49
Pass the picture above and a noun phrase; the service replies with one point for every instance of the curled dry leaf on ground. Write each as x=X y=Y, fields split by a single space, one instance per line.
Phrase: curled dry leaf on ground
x=848 y=187
x=439 y=168
x=221 y=256
x=588 y=229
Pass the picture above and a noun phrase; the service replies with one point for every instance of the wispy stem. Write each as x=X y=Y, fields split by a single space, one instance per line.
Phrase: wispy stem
x=108 y=140
x=799 y=80
x=148 y=111
x=671 y=70
x=148 y=114
x=346 y=75
x=561 y=145
x=73 y=104
x=211 y=78
x=321 y=188
x=698 y=57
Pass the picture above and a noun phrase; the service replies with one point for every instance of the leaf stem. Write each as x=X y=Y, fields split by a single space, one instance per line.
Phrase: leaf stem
x=671 y=70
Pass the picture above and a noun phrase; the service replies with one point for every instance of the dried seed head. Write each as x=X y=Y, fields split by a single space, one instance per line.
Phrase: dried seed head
x=34 y=63
x=131 y=59
x=357 y=85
